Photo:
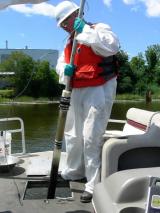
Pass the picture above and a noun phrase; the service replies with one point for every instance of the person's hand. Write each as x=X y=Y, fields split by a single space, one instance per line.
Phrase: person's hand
x=69 y=70
x=78 y=25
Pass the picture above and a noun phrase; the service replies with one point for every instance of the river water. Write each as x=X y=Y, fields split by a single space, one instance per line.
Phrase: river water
x=40 y=121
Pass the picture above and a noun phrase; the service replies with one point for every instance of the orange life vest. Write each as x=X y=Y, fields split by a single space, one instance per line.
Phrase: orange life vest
x=87 y=72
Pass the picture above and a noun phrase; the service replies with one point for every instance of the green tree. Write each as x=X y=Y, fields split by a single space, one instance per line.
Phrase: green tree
x=32 y=78
x=45 y=81
x=22 y=65
x=137 y=65
x=125 y=82
x=155 y=63
x=152 y=58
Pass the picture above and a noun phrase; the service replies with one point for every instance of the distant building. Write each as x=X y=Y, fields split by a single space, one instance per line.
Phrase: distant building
x=37 y=54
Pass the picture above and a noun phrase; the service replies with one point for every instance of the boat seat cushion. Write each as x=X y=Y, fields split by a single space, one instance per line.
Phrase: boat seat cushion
x=120 y=153
x=137 y=122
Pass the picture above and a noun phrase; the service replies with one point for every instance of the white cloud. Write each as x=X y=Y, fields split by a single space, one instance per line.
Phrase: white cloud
x=5 y=3
x=44 y=9
x=129 y=1
x=153 y=7
x=107 y=2
x=135 y=8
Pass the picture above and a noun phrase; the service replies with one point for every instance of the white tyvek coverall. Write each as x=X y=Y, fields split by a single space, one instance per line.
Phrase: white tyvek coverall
x=89 y=111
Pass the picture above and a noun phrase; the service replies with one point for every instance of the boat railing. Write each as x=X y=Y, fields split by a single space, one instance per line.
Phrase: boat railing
x=18 y=130
x=117 y=121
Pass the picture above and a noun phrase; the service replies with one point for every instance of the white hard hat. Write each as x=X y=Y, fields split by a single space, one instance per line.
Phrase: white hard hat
x=63 y=10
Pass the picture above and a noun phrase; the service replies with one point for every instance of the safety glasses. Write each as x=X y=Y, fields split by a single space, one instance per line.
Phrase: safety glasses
x=64 y=24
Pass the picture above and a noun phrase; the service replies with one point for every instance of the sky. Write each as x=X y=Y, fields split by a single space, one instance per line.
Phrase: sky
x=136 y=23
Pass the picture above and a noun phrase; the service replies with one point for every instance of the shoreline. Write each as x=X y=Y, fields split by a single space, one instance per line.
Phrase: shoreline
x=57 y=102
x=28 y=102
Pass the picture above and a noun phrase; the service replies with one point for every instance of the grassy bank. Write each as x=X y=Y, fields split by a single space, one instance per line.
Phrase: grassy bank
x=129 y=97
x=135 y=97
x=27 y=99
x=6 y=98
x=7 y=93
x=43 y=99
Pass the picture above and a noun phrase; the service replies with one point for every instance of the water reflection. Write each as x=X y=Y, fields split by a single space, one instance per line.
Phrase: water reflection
x=40 y=121
x=40 y=124
x=120 y=108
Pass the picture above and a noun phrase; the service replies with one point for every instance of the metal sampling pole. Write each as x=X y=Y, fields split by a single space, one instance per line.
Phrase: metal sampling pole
x=64 y=106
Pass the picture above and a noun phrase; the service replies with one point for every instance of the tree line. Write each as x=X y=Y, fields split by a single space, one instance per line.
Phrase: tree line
x=139 y=75
x=32 y=78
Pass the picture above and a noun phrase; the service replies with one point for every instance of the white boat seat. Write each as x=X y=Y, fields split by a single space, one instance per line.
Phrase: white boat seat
x=124 y=191
x=137 y=122
x=136 y=150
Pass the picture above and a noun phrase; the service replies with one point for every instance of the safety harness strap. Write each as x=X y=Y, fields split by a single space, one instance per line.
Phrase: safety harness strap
x=110 y=67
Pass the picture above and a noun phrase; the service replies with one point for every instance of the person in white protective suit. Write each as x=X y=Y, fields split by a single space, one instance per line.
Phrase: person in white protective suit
x=94 y=81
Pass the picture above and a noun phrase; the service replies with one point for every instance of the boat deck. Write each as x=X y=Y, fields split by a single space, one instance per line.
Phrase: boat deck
x=13 y=188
